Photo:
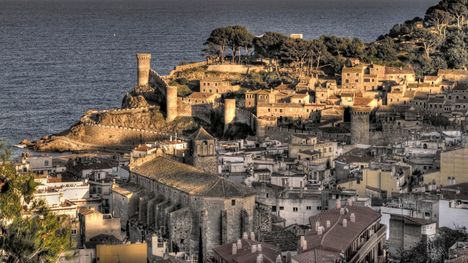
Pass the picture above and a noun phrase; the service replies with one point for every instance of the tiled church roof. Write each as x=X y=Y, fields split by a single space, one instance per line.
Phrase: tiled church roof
x=189 y=179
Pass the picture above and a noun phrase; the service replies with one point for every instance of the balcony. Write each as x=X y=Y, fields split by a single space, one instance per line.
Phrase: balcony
x=370 y=244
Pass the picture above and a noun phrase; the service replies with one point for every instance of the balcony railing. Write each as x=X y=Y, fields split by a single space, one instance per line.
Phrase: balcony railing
x=369 y=245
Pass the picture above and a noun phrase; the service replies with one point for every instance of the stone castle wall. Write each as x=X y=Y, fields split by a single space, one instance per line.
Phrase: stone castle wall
x=241 y=69
x=158 y=82
x=113 y=135
x=245 y=116
x=187 y=67
x=202 y=112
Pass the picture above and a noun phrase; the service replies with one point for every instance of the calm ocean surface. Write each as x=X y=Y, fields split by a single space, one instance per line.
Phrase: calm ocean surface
x=59 y=58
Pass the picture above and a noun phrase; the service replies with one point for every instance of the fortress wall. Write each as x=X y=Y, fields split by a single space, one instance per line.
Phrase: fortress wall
x=228 y=68
x=187 y=67
x=244 y=116
x=142 y=118
x=113 y=135
x=183 y=108
x=202 y=112
x=158 y=82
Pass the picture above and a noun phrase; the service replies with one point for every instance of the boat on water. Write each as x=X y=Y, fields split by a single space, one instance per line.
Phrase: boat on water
x=22 y=146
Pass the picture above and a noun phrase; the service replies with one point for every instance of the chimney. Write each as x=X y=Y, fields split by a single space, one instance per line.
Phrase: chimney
x=320 y=230
x=245 y=236
x=352 y=218
x=234 y=249
x=350 y=202
x=328 y=224
x=259 y=259
x=252 y=236
x=278 y=259
x=317 y=225
x=253 y=249
x=239 y=244
x=259 y=247
x=342 y=211
x=304 y=245
x=345 y=222
x=338 y=203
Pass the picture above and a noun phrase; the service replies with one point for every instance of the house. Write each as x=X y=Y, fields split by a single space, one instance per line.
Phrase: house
x=350 y=233
x=406 y=232
x=94 y=224
x=217 y=86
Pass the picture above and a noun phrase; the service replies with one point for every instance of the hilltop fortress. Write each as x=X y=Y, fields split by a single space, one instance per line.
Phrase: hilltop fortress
x=373 y=105
x=151 y=111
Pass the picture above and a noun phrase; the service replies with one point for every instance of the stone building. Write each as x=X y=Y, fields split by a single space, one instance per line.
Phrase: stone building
x=197 y=98
x=217 y=85
x=305 y=142
x=289 y=110
x=368 y=77
x=265 y=96
x=196 y=211
x=453 y=74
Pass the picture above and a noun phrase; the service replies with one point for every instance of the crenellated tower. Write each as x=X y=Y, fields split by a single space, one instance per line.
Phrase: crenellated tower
x=144 y=67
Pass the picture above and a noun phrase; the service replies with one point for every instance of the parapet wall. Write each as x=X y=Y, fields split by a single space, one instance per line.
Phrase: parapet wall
x=158 y=82
x=241 y=69
x=187 y=67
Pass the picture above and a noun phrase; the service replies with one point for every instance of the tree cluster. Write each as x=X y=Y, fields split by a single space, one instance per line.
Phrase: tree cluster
x=439 y=40
x=29 y=231
x=436 y=250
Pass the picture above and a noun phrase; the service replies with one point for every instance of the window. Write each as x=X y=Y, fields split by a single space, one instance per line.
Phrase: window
x=319 y=208
x=267 y=195
x=281 y=207
x=308 y=207
x=295 y=209
x=273 y=208
x=233 y=202
x=73 y=231
x=46 y=163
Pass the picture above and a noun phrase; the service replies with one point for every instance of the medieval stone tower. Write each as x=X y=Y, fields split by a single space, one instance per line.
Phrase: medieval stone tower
x=229 y=112
x=360 y=125
x=171 y=103
x=203 y=151
x=144 y=66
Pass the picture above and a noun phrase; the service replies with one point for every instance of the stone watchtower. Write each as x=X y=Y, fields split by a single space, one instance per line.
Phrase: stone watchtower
x=360 y=125
x=203 y=151
x=171 y=103
x=229 y=112
x=144 y=67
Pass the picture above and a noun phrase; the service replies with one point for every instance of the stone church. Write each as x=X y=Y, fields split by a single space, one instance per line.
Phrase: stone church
x=194 y=209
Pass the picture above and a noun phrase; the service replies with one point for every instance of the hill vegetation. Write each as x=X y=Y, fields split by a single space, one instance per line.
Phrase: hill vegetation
x=437 y=41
